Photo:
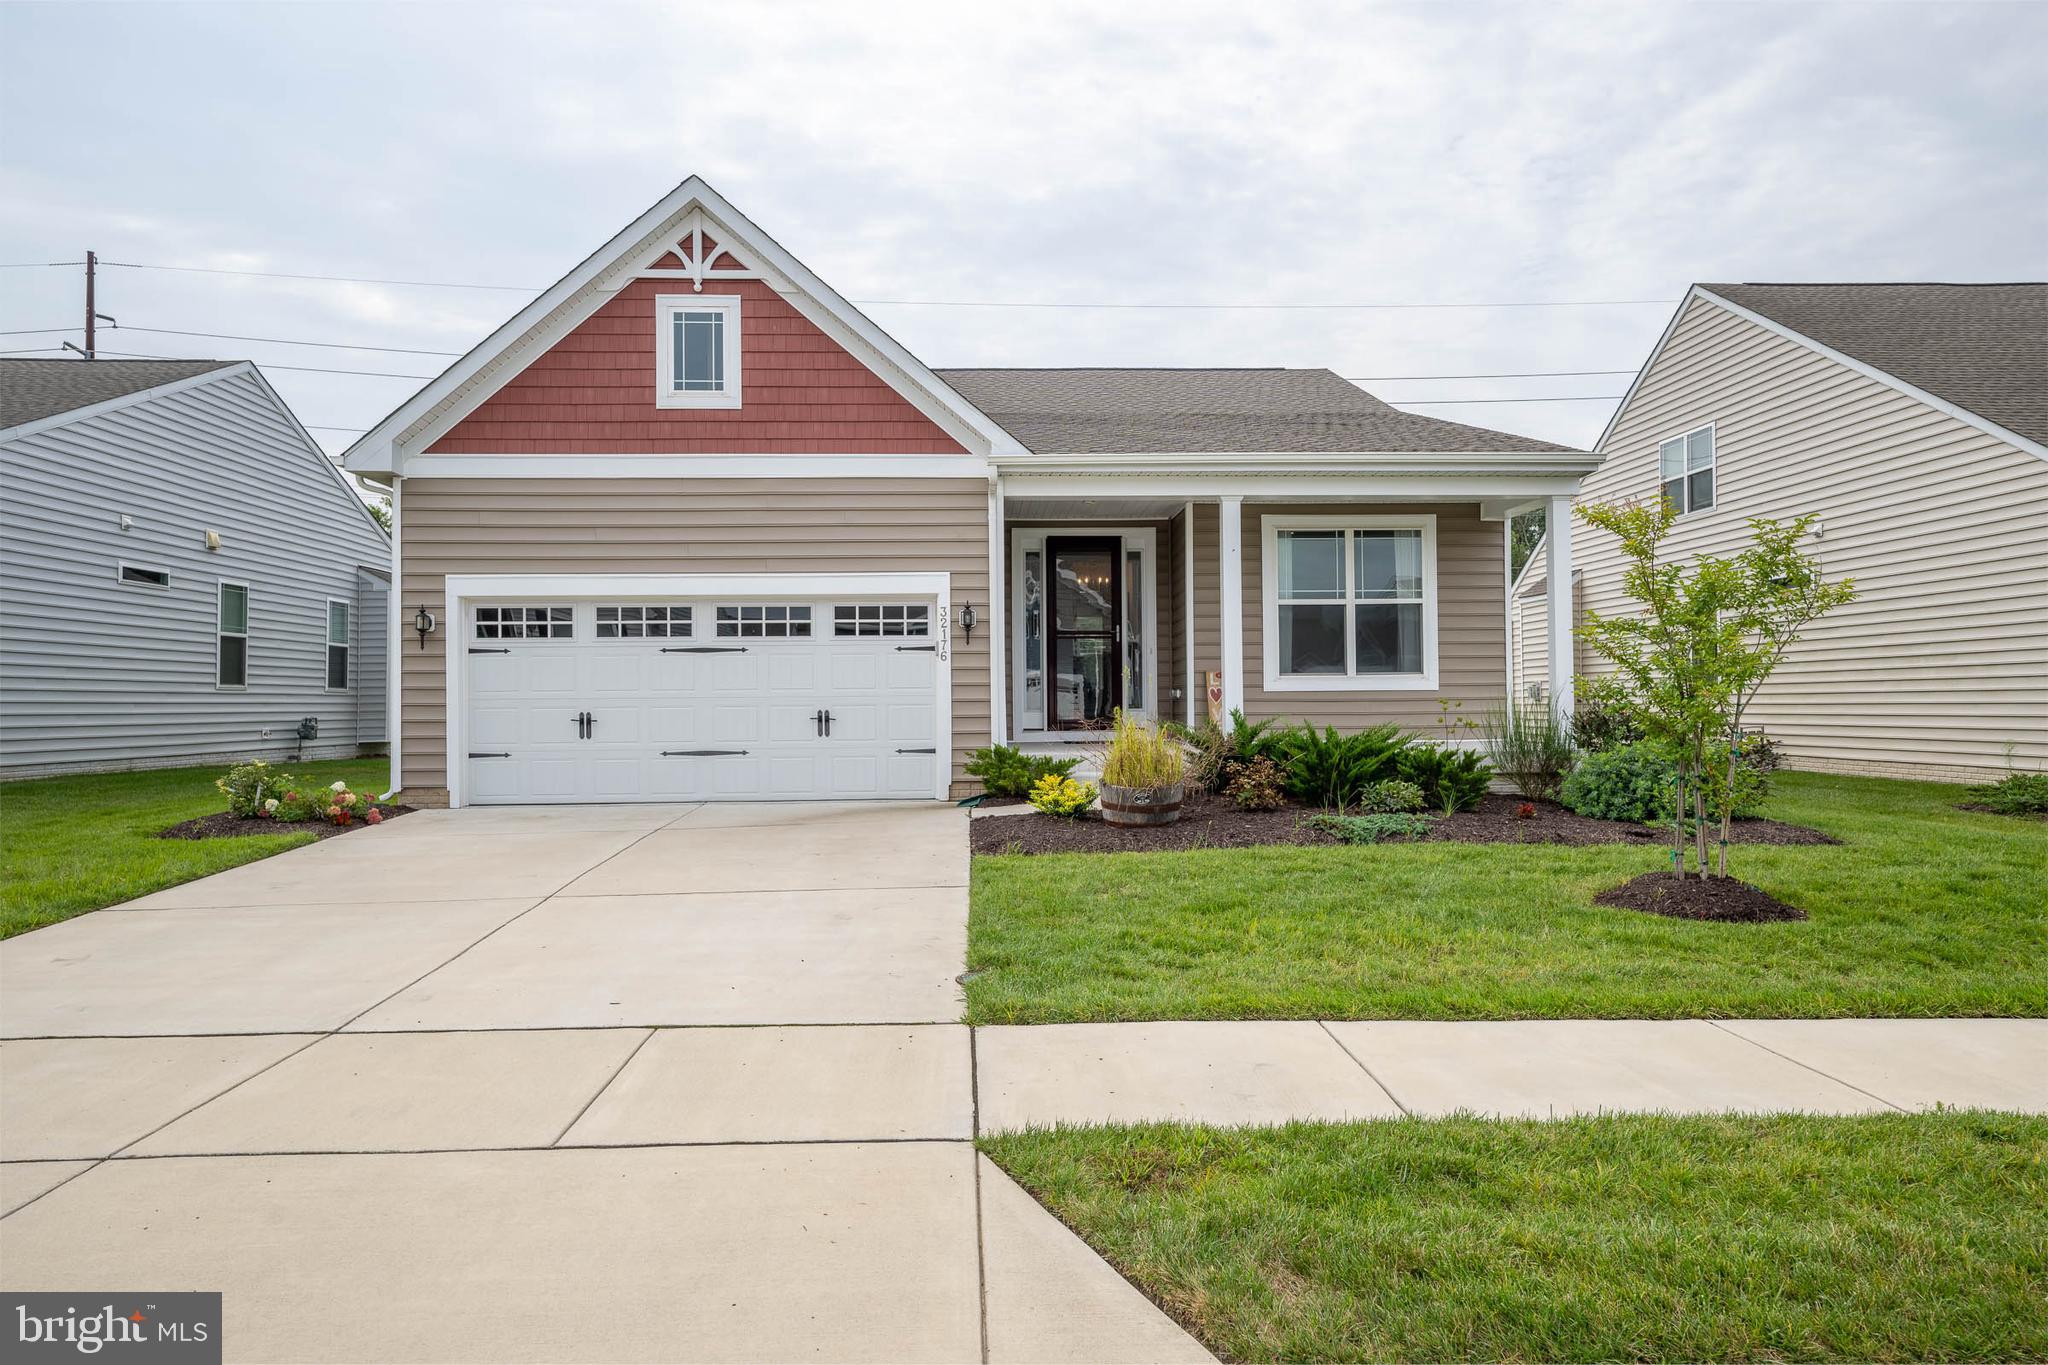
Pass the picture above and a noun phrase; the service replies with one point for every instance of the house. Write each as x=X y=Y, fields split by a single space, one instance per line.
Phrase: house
x=184 y=575
x=1911 y=420
x=691 y=526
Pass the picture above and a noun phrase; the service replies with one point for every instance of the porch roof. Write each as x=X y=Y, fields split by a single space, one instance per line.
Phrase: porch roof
x=1129 y=411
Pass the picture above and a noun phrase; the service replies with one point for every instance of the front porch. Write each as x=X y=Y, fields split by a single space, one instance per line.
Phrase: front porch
x=1344 y=591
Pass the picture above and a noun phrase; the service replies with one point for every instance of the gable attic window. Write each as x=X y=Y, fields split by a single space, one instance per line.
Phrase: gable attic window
x=1685 y=468
x=697 y=350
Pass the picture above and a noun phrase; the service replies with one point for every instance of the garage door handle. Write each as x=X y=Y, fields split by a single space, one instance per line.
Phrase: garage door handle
x=475 y=650
x=917 y=649
x=473 y=754
x=917 y=751
x=704 y=649
x=702 y=753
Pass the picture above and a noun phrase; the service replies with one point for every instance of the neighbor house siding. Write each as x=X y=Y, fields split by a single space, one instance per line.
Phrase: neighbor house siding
x=98 y=675
x=1940 y=667
x=654 y=526
x=593 y=392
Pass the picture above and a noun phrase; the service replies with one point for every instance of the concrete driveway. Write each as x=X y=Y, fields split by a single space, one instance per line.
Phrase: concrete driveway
x=597 y=1083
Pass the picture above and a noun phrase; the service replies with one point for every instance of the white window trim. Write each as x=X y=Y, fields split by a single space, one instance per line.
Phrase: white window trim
x=1269 y=602
x=219 y=633
x=666 y=306
x=122 y=567
x=465 y=590
x=1713 y=442
x=327 y=642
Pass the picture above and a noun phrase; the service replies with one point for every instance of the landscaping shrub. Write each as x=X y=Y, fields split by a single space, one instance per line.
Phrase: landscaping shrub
x=334 y=805
x=2013 y=794
x=1392 y=797
x=248 y=785
x=1603 y=715
x=1633 y=782
x=1258 y=785
x=1371 y=829
x=1529 y=748
x=1326 y=769
x=1141 y=755
x=1218 y=753
x=1062 y=796
x=1005 y=771
x=1451 y=779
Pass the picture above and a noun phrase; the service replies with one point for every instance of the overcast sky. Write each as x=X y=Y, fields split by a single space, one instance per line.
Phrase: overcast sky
x=1243 y=154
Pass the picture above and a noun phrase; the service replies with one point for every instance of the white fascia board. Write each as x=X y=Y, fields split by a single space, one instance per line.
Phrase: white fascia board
x=471 y=586
x=385 y=448
x=1225 y=464
x=1869 y=371
x=313 y=447
x=814 y=467
x=1295 y=488
x=58 y=419
x=1663 y=338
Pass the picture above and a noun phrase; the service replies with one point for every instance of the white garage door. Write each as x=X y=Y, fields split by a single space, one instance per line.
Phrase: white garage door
x=699 y=699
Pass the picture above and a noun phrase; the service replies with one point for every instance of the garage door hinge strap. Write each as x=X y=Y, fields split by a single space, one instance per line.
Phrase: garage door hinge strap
x=917 y=751
x=704 y=649
x=474 y=754
x=702 y=753
x=917 y=649
x=474 y=650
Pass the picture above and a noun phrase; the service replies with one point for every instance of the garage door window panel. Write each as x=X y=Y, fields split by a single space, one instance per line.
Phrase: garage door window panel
x=525 y=623
x=648 y=622
x=855 y=619
x=763 y=621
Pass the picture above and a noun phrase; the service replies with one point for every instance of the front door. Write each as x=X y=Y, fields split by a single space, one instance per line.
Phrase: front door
x=1086 y=578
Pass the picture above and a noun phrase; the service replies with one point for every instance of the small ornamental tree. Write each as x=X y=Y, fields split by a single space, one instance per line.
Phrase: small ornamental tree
x=1703 y=643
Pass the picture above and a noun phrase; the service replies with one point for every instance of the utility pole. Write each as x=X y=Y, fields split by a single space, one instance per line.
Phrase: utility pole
x=92 y=261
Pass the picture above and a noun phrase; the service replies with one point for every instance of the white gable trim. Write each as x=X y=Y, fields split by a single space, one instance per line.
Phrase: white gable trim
x=1869 y=371
x=424 y=417
x=1663 y=339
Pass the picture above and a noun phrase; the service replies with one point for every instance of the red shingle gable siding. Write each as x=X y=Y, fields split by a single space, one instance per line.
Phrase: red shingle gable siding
x=592 y=393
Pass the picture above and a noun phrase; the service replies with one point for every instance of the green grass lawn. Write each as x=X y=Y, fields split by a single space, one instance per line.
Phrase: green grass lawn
x=1924 y=910
x=73 y=844
x=1887 y=1238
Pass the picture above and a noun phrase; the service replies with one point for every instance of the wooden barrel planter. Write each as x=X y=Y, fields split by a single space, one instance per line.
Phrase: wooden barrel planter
x=1141 y=805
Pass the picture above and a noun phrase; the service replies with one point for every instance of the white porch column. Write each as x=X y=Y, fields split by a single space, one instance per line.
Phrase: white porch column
x=1558 y=598
x=998 y=616
x=1230 y=588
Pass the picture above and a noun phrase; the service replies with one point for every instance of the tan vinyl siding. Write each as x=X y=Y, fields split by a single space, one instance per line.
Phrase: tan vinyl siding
x=1531 y=643
x=1208 y=620
x=588 y=526
x=1942 y=663
x=1471 y=603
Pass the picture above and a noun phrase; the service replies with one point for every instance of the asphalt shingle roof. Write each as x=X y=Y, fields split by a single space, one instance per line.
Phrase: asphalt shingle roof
x=1122 y=411
x=1983 y=347
x=31 y=390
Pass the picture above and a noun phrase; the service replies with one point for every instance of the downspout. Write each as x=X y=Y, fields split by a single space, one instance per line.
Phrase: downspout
x=394 y=652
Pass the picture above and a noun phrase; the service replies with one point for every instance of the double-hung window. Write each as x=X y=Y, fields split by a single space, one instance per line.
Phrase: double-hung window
x=697 y=350
x=337 y=645
x=231 y=637
x=1350 y=603
x=1685 y=468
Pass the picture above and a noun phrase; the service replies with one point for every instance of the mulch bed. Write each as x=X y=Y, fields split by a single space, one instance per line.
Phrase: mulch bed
x=1722 y=899
x=1212 y=822
x=228 y=826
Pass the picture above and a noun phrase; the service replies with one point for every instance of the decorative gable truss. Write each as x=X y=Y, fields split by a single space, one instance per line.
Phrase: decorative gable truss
x=692 y=235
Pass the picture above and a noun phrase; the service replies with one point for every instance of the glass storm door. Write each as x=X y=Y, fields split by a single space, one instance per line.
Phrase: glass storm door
x=1086 y=579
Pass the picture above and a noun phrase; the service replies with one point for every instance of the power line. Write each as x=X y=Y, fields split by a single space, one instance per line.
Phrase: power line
x=1443 y=402
x=915 y=303
x=287 y=341
x=34 y=265
x=38 y=331
x=266 y=365
x=1519 y=374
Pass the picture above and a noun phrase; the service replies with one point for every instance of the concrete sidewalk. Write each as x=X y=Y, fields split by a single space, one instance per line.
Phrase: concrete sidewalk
x=1254 y=1073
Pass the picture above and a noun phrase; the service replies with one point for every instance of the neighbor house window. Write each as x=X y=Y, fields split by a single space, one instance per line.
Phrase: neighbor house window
x=145 y=578
x=1685 y=467
x=697 y=346
x=337 y=645
x=231 y=641
x=771 y=622
x=1350 y=604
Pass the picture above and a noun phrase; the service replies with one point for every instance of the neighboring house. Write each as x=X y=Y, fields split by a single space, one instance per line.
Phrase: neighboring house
x=1912 y=421
x=184 y=575
x=691 y=526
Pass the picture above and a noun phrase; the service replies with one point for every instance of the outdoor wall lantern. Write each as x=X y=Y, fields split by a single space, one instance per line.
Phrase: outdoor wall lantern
x=967 y=620
x=423 y=622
